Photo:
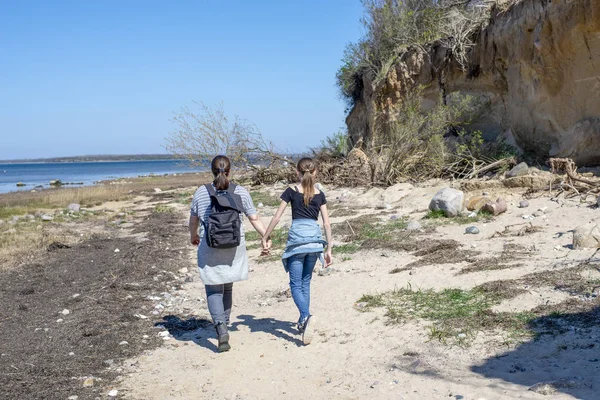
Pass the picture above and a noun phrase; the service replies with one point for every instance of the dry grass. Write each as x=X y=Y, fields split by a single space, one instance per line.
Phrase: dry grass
x=26 y=239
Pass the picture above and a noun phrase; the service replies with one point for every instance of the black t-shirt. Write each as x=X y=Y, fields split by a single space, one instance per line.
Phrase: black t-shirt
x=299 y=210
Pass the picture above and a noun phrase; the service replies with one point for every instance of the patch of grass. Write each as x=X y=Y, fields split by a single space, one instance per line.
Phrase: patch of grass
x=163 y=208
x=435 y=214
x=269 y=258
x=278 y=236
x=440 y=218
x=265 y=198
x=456 y=314
x=184 y=197
x=347 y=248
x=364 y=233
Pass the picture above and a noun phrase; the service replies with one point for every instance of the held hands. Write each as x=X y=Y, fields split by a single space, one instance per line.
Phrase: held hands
x=266 y=246
x=328 y=259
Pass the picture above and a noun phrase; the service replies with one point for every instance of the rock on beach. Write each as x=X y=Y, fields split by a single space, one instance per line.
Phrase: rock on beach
x=448 y=200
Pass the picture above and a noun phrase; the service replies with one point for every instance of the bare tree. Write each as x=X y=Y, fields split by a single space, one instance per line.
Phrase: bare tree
x=209 y=132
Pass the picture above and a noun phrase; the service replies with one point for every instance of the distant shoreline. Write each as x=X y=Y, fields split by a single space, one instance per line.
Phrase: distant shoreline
x=96 y=158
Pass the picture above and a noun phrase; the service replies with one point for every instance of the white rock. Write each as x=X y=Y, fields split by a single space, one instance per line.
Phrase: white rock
x=71 y=354
x=47 y=217
x=413 y=226
x=448 y=200
x=117 y=250
x=163 y=333
x=140 y=316
x=113 y=393
x=76 y=295
x=183 y=270
x=157 y=190
x=123 y=343
x=65 y=312
x=260 y=205
x=74 y=207
x=73 y=397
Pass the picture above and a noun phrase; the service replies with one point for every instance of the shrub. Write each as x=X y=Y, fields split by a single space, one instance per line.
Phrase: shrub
x=410 y=144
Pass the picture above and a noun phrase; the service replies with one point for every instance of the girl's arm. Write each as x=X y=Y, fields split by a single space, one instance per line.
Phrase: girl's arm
x=274 y=222
x=194 y=224
x=257 y=224
x=327 y=226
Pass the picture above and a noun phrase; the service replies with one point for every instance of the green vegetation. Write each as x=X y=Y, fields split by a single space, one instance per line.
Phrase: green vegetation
x=362 y=234
x=456 y=314
x=439 y=218
x=347 y=248
x=391 y=26
x=278 y=236
x=163 y=208
x=265 y=198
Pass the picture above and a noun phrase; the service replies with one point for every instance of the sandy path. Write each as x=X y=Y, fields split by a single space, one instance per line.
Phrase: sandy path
x=355 y=355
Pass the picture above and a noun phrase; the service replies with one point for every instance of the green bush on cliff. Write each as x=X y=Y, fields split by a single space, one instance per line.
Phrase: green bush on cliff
x=393 y=25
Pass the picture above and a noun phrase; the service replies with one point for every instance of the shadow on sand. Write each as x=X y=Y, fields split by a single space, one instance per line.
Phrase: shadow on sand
x=200 y=330
x=564 y=357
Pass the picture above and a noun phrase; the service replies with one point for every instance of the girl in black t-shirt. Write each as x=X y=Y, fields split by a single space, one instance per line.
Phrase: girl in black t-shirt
x=305 y=243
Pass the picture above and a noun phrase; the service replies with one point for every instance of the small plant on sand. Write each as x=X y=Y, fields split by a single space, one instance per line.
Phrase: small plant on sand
x=456 y=315
x=265 y=198
x=163 y=208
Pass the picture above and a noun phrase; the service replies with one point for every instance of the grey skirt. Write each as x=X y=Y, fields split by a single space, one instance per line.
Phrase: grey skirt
x=219 y=266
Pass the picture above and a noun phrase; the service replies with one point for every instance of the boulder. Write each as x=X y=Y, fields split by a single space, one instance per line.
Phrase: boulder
x=523 y=204
x=497 y=207
x=74 y=207
x=56 y=182
x=586 y=237
x=448 y=200
x=20 y=184
x=477 y=202
x=47 y=217
x=519 y=170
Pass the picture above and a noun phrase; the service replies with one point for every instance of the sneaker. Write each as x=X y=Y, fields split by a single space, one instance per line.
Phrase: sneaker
x=222 y=337
x=308 y=330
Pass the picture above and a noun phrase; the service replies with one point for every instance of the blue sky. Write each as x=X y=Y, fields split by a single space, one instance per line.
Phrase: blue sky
x=104 y=77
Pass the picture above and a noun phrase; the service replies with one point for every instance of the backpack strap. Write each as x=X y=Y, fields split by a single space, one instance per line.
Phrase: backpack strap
x=225 y=198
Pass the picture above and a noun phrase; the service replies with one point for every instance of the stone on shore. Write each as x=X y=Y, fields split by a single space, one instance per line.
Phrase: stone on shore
x=586 y=237
x=519 y=170
x=497 y=207
x=477 y=202
x=523 y=204
x=472 y=230
x=47 y=217
x=448 y=200
x=413 y=226
x=74 y=207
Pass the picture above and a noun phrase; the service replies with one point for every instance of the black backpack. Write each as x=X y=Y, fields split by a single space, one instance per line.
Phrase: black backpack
x=223 y=226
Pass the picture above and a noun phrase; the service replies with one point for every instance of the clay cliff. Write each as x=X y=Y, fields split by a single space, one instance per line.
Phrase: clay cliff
x=535 y=67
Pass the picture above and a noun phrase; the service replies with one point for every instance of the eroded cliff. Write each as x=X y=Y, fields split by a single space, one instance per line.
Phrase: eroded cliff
x=535 y=67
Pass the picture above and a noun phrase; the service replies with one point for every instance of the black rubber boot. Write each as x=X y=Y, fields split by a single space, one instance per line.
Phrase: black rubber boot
x=222 y=337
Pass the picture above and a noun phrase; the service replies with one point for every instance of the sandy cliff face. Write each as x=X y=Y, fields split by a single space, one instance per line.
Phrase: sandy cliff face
x=536 y=67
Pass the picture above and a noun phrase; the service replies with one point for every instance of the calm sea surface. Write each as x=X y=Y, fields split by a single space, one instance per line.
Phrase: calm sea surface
x=35 y=174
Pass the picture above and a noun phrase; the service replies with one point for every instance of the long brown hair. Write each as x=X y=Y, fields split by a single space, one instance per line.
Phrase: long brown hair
x=220 y=167
x=307 y=167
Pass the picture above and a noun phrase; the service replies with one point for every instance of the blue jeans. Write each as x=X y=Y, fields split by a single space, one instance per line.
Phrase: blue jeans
x=301 y=268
